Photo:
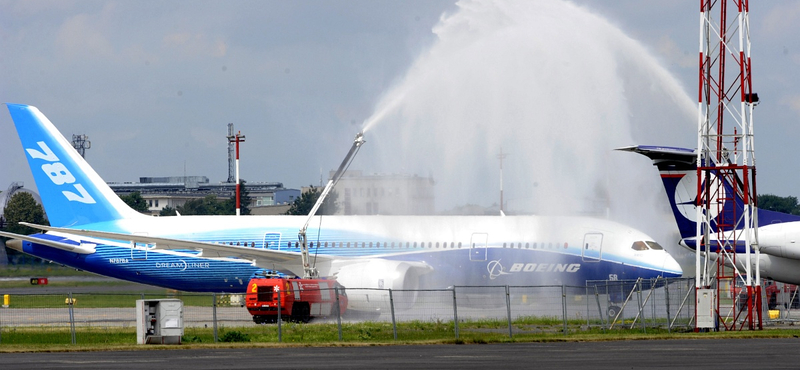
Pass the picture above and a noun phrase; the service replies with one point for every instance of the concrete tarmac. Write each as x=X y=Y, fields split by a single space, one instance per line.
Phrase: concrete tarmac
x=708 y=354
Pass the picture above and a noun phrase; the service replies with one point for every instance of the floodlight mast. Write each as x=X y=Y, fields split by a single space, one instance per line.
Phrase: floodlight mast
x=310 y=272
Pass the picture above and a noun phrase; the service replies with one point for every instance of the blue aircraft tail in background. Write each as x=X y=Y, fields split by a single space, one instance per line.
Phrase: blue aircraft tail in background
x=72 y=192
x=678 y=170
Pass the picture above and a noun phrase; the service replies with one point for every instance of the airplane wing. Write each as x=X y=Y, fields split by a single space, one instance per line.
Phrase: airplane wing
x=263 y=256
x=81 y=249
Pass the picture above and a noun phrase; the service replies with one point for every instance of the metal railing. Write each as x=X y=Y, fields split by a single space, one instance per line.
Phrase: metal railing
x=663 y=303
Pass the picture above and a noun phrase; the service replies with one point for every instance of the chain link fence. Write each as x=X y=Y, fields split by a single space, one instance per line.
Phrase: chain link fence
x=607 y=305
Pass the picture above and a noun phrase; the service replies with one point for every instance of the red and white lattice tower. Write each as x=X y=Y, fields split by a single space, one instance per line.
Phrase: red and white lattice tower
x=726 y=165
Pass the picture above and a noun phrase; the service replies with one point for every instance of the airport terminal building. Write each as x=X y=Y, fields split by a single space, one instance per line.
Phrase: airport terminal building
x=385 y=194
x=356 y=193
x=174 y=191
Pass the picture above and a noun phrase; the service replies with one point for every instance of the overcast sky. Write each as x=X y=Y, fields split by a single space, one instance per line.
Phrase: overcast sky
x=154 y=83
x=670 y=30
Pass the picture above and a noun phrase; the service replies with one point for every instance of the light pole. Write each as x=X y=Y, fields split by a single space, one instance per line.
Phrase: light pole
x=238 y=138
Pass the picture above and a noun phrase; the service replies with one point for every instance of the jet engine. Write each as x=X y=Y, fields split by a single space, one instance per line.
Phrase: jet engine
x=368 y=283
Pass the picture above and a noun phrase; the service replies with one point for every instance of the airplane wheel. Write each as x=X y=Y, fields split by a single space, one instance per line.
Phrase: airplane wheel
x=305 y=317
x=265 y=319
x=613 y=311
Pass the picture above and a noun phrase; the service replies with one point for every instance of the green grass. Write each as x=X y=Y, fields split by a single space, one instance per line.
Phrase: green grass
x=108 y=300
x=61 y=284
x=43 y=338
x=365 y=333
x=46 y=270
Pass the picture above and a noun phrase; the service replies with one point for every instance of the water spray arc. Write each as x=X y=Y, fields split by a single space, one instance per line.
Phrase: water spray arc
x=490 y=79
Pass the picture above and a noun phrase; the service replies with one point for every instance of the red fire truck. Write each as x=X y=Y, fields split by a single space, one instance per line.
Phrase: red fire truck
x=779 y=294
x=300 y=299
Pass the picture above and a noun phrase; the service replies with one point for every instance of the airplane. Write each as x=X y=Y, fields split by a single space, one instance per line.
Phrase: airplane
x=93 y=230
x=778 y=233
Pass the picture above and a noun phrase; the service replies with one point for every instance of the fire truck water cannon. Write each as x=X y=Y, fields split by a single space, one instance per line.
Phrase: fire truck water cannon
x=309 y=271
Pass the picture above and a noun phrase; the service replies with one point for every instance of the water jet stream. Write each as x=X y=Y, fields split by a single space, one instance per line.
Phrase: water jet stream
x=556 y=86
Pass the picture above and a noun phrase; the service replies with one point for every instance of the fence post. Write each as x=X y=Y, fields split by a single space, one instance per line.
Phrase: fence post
x=666 y=293
x=6 y=304
x=653 y=285
x=391 y=307
x=586 y=298
x=603 y=321
x=280 y=331
x=641 y=306
x=564 y=306
x=214 y=312
x=508 y=310
x=71 y=318
x=338 y=313
x=455 y=312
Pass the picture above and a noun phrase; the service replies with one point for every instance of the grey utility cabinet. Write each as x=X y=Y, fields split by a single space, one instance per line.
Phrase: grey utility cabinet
x=159 y=321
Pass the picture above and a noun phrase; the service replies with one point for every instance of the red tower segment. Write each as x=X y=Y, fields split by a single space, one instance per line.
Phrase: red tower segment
x=238 y=138
x=726 y=163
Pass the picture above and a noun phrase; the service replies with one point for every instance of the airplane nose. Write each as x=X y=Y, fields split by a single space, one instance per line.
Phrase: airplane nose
x=671 y=265
x=15 y=244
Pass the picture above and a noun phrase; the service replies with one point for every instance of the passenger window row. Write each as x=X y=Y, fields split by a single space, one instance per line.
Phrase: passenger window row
x=409 y=245
x=536 y=245
x=639 y=245
x=386 y=245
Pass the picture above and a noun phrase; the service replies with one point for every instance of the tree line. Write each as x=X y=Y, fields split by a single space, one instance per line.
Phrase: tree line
x=211 y=205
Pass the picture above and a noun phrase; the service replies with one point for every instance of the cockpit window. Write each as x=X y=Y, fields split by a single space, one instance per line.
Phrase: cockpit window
x=654 y=246
x=643 y=246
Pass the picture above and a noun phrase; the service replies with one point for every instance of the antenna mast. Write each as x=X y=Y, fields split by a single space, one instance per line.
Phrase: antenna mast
x=726 y=232
x=81 y=143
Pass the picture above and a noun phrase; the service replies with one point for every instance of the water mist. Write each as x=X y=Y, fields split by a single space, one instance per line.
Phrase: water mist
x=558 y=88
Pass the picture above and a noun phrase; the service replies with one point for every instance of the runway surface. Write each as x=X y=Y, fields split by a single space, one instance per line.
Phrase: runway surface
x=641 y=354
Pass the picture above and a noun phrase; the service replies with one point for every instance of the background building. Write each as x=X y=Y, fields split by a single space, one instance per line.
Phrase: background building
x=384 y=194
x=175 y=191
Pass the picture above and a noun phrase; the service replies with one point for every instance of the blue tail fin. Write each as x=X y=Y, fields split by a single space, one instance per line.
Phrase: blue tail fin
x=72 y=192
x=678 y=170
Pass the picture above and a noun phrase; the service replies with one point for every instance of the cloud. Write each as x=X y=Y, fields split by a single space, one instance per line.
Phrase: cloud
x=206 y=137
x=670 y=50
x=81 y=36
x=793 y=102
x=195 y=44
x=781 y=20
x=29 y=8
